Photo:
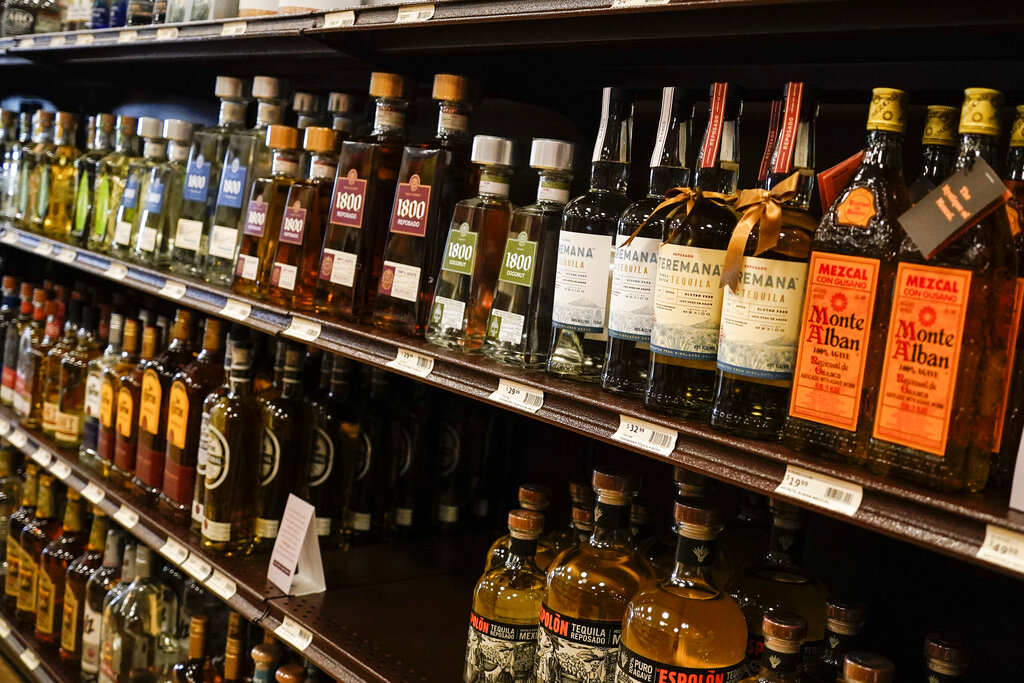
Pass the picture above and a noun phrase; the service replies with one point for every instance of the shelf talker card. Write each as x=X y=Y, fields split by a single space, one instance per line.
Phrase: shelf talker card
x=295 y=565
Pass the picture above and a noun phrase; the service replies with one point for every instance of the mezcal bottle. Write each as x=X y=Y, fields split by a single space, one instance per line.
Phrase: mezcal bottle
x=55 y=194
x=519 y=326
x=784 y=633
x=161 y=198
x=472 y=254
x=111 y=176
x=631 y=306
x=29 y=168
x=126 y=216
x=99 y=146
x=938 y=151
x=579 y=316
x=13 y=160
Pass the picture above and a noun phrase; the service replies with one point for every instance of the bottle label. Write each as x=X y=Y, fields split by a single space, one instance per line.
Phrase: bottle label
x=247 y=267
x=28 y=580
x=18 y=21
x=388 y=118
x=69 y=625
x=788 y=129
x=232 y=183
x=857 y=208
x=49 y=416
x=411 y=208
x=349 y=198
x=125 y=413
x=498 y=651
x=716 y=122
x=293 y=224
x=1011 y=365
x=834 y=336
x=400 y=281
x=403 y=517
x=69 y=426
x=283 y=276
x=323 y=526
x=518 y=261
x=271 y=457
x=223 y=241
x=922 y=356
x=189 y=234
x=82 y=204
x=505 y=327
x=631 y=309
x=197 y=180
x=321 y=459
x=90 y=639
x=93 y=394
x=553 y=191
x=761 y=319
x=179 y=481
x=12 y=555
x=177 y=415
x=338 y=267
x=255 y=218
x=452 y=121
x=45 y=603
x=632 y=668
x=460 y=251
x=43 y=191
x=583 y=649
x=150 y=401
x=219 y=532
x=448 y=314
x=147 y=238
x=581 y=282
x=218 y=460
x=688 y=302
x=107 y=405
x=359 y=521
x=122 y=232
x=155 y=194
x=267 y=528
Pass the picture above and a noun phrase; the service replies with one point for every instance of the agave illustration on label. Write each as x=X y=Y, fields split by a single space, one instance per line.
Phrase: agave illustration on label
x=774 y=660
x=702 y=553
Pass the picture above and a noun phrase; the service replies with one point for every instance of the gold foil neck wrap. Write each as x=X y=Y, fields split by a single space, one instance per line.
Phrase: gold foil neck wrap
x=938 y=126
x=384 y=84
x=282 y=137
x=320 y=139
x=888 y=110
x=1017 y=132
x=980 y=113
x=449 y=87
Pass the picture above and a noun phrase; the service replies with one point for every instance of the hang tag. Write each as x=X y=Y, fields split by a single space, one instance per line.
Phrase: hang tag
x=412 y=362
x=410 y=14
x=197 y=567
x=645 y=435
x=339 y=19
x=42 y=456
x=127 y=36
x=295 y=635
x=919 y=188
x=117 y=271
x=233 y=28
x=18 y=439
x=85 y=39
x=30 y=659
x=173 y=290
x=303 y=329
x=126 y=517
x=224 y=587
x=174 y=551
x=821 y=490
x=518 y=396
x=61 y=470
x=236 y=310
x=295 y=565
x=1003 y=547
x=167 y=33
x=832 y=181
x=5 y=628
x=66 y=255
x=94 y=494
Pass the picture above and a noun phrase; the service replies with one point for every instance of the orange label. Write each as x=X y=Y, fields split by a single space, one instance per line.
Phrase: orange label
x=107 y=404
x=922 y=354
x=125 y=412
x=177 y=415
x=1011 y=348
x=834 y=334
x=149 y=402
x=857 y=208
x=1013 y=217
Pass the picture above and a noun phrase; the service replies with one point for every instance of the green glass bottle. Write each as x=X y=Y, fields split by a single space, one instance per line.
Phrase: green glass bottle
x=111 y=176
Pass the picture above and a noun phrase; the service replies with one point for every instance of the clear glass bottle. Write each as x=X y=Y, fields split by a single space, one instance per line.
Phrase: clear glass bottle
x=73 y=383
x=12 y=344
x=50 y=370
x=29 y=169
x=128 y=409
x=10 y=315
x=16 y=523
x=635 y=265
x=18 y=18
x=13 y=159
x=86 y=166
x=36 y=535
x=55 y=193
x=9 y=147
x=865 y=667
x=53 y=567
x=29 y=333
x=128 y=211
x=92 y=404
x=472 y=253
x=938 y=151
x=108 y=643
x=76 y=582
x=843 y=624
x=161 y=199
x=586 y=247
x=111 y=178
x=106 y=436
x=533 y=498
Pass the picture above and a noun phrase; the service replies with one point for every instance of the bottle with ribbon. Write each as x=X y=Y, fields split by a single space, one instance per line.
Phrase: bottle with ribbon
x=763 y=281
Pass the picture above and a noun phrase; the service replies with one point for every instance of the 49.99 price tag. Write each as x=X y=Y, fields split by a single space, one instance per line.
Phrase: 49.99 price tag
x=645 y=435
x=821 y=490
x=518 y=396
x=1003 y=547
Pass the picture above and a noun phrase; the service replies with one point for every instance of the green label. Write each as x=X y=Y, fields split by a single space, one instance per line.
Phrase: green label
x=518 y=261
x=99 y=215
x=460 y=252
x=43 y=198
x=82 y=203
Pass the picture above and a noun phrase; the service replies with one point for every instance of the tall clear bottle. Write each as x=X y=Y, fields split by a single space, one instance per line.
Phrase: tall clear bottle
x=13 y=153
x=635 y=266
x=938 y=151
x=93 y=401
x=108 y=658
x=12 y=338
x=29 y=168
x=125 y=221
x=161 y=198
x=55 y=194
x=586 y=248
x=36 y=342
x=9 y=147
x=86 y=167
x=111 y=179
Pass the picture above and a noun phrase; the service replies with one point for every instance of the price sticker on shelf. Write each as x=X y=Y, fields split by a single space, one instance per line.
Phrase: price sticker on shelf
x=58 y=41
x=221 y=585
x=9 y=237
x=518 y=396
x=295 y=635
x=174 y=551
x=18 y=438
x=85 y=39
x=126 y=517
x=236 y=310
x=173 y=290
x=60 y=469
x=1003 y=547
x=167 y=33
x=624 y=4
x=25 y=43
x=43 y=248
x=412 y=362
x=339 y=19
x=411 y=14
x=821 y=490
x=5 y=427
x=303 y=329
x=233 y=28
x=30 y=659
x=116 y=271
x=93 y=493
x=127 y=36
x=645 y=435
x=66 y=255
x=42 y=456
x=5 y=628
x=195 y=566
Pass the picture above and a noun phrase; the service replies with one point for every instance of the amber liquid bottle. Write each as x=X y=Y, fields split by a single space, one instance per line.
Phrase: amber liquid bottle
x=203 y=430
x=846 y=306
x=197 y=668
x=36 y=341
x=51 y=379
x=55 y=198
x=18 y=520
x=54 y=561
x=129 y=399
x=72 y=383
x=361 y=204
x=79 y=572
x=533 y=498
x=938 y=151
x=36 y=535
x=784 y=634
x=106 y=436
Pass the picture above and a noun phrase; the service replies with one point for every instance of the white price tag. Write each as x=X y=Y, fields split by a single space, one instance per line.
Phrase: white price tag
x=174 y=551
x=295 y=635
x=93 y=493
x=42 y=456
x=126 y=517
x=66 y=255
x=85 y=39
x=10 y=237
x=412 y=362
x=18 y=438
x=622 y=4
x=410 y=14
x=26 y=43
x=60 y=469
x=58 y=41
x=127 y=36
x=172 y=290
x=5 y=628
x=44 y=248
x=645 y=435
x=29 y=659
x=1003 y=547
x=339 y=19
x=195 y=566
x=233 y=28
x=224 y=587
x=5 y=427
x=167 y=33
x=236 y=310
x=302 y=328
x=117 y=271
x=821 y=490
x=518 y=396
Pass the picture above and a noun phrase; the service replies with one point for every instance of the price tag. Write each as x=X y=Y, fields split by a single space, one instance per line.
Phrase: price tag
x=295 y=635
x=236 y=310
x=29 y=659
x=224 y=587
x=127 y=36
x=412 y=362
x=58 y=41
x=645 y=435
x=623 y=4
x=167 y=33
x=66 y=255
x=5 y=628
x=339 y=19
x=10 y=237
x=302 y=328
x=174 y=551
x=42 y=456
x=126 y=517
x=195 y=566
x=43 y=248
x=410 y=14
x=518 y=396
x=26 y=43
x=85 y=39
x=61 y=470
x=117 y=271
x=93 y=493
x=233 y=28
x=821 y=490
x=1003 y=547
x=173 y=290
x=18 y=438
x=5 y=427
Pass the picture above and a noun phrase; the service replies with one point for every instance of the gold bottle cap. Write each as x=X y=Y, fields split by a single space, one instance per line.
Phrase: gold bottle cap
x=784 y=625
x=888 y=110
x=938 y=126
x=1017 y=132
x=980 y=113
x=449 y=87
x=282 y=137
x=945 y=650
x=525 y=523
x=320 y=139
x=534 y=496
x=865 y=667
x=383 y=84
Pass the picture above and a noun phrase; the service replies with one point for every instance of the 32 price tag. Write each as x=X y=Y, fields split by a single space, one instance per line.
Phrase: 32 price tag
x=233 y=28
x=94 y=494
x=518 y=396
x=1003 y=547
x=224 y=587
x=61 y=470
x=195 y=566
x=126 y=517
x=236 y=310
x=410 y=14
x=18 y=438
x=412 y=362
x=821 y=490
x=174 y=551
x=645 y=435
x=295 y=635
x=117 y=271
x=339 y=19
x=173 y=290
x=66 y=255
x=42 y=456
x=303 y=329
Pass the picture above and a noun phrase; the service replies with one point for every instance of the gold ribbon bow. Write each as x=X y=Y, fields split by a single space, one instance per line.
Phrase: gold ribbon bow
x=763 y=209
x=681 y=198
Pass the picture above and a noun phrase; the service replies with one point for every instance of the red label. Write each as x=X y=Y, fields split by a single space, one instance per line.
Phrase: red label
x=709 y=154
x=124 y=454
x=255 y=218
x=149 y=465
x=179 y=481
x=348 y=201
x=293 y=224
x=1011 y=348
x=787 y=132
x=105 y=444
x=773 y=134
x=412 y=203
x=8 y=377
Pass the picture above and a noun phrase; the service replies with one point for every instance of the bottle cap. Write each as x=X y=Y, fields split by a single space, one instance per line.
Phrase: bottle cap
x=306 y=103
x=197 y=624
x=320 y=139
x=583 y=517
x=784 y=625
x=689 y=515
x=865 y=667
x=846 y=612
x=43 y=117
x=178 y=130
x=980 y=112
x=66 y=118
x=229 y=88
x=7 y=117
x=384 y=84
x=128 y=124
x=26 y=290
x=554 y=155
x=1017 y=132
x=616 y=480
x=282 y=137
x=938 y=126
x=888 y=110
x=265 y=87
x=106 y=122
x=534 y=496
x=39 y=296
x=488 y=149
x=527 y=524
x=291 y=673
x=150 y=127
x=449 y=87
x=945 y=650
x=339 y=103
x=9 y=282
x=582 y=493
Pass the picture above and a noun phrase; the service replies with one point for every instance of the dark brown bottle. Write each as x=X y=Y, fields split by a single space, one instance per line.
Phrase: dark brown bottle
x=53 y=566
x=79 y=572
x=365 y=515
x=15 y=524
x=36 y=535
x=197 y=668
x=106 y=437
x=129 y=392
x=843 y=623
x=938 y=151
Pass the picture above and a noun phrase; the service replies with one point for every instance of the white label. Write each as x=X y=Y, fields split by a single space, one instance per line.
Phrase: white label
x=173 y=290
x=250 y=266
x=126 y=517
x=85 y=39
x=267 y=528
x=687 y=302
x=581 y=282
x=117 y=271
x=303 y=328
x=223 y=241
x=821 y=490
x=66 y=255
x=5 y=427
x=322 y=169
x=5 y=628
x=292 y=633
x=93 y=493
x=29 y=659
x=645 y=435
x=195 y=566
x=26 y=43
x=42 y=456
x=224 y=587
x=552 y=192
x=412 y=362
x=10 y=237
x=403 y=516
x=360 y=521
x=323 y=526
x=147 y=238
x=343 y=267
x=450 y=314
x=491 y=187
x=385 y=118
x=44 y=248
x=189 y=234
x=233 y=28
x=122 y=232
x=167 y=33
x=510 y=326
x=127 y=36
x=285 y=275
x=518 y=395
x=61 y=470
x=1003 y=547
x=174 y=551
x=450 y=120
x=412 y=13
x=405 y=283
x=236 y=310
x=339 y=19
x=18 y=438
x=217 y=531
x=631 y=308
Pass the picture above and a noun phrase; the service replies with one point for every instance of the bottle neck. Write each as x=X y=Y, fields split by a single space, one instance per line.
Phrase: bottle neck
x=154 y=149
x=974 y=146
x=840 y=638
x=786 y=543
x=102 y=140
x=695 y=556
x=609 y=176
x=389 y=118
x=795 y=156
x=73 y=514
x=98 y=533
x=611 y=524
x=721 y=175
x=112 y=551
x=125 y=143
x=884 y=149
x=232 y=114
x=521 y=552
x=494 y=182
x=553 y=187
x=1015 y=163
x=323 y=165
x=937 y=161
x=30 y=489
x=269 y=113
x=177 y=151
x=284 y=163
x=664 y=178
x=292 y=384
x=197 y=640
x=781 y=657
x=452 y=122
x=65 y=135
x=142 y=568
x=44 y=502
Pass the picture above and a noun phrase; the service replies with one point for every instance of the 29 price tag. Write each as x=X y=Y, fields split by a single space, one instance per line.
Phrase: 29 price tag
x=518 y=396
x=339 y=19
x=412 y=362
x=645 y=435
x=173 y=290
x=174 y=551
x=1003 y=547
x=224 y=587
x=116 y=271
x=61 y=470
x=94 y=494
x=18 y=438
x=236 y=310
x=821 y=490
x=303 y=329
x=295 y=635
x=126 y=517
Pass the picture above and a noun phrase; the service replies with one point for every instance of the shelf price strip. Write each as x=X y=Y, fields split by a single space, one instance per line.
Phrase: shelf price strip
x=645 y=435
x=412 y=362
x=224 y=587
x=174 y=551
x=43 y=248
x=116 y=271
x=236 y=310
x=66 y=255
x=339 y=19
x=233 y=28
x=93 y=493
x=9 y=237
x=1003 y=547
x=42 y=456
x=85 y=39
x=303 y=329
x=18 y=439
x=60 y=469
x=173 y=290
x=126 y=517
x=5 y=427
x=195 y=566
x=295 y=635
x=412 y=14
x=518 y=396
x=821 y=490
x=30 y=659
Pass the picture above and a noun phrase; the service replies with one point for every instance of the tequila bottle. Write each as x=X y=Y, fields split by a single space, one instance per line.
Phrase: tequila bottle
x=29 y=168
x=631 y=305
x=585 y=249
x=9 y=143
x=519 y=326
x=342 y=109
x=295 y=270
x=128 y=409
x=533 y=498
x=161 y=198
x=472 y=254
x=582 y=525
x=92 y=402
x=80 y=570
x=783 y=635
x=199 y=492
x=36 y=342
x=431 y=179
x=16 y=523
x=14 y=151
x=331 y=465
x=86 y=166
x=18 y=18
x=503 y=622
x=73 y=390
x=102 y=581
x=844 y=622
x=11 y=316
x=126 y=216
x=308 y=110
x=946 y=659
x=364 y=190
x=109 y=643
x=938 y=151
x=51 y=378
x=111 y=178
x=859 y=238
x=688 y=290
x=55 y=193
x=365 y=515
x=864 y=667
x=36 y=535
x=54 y=561
x=106 y=434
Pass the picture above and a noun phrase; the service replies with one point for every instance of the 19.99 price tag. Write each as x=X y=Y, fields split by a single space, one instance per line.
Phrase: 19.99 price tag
x=412 y=362
x=1003 y=547
x=821 y=490
x=518 y=396
x=295 y=635
x=645 y=435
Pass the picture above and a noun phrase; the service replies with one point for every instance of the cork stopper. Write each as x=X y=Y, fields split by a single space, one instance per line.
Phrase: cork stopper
x=339 y=103
x=178 y=130
x=581 y=493
x=127 y=124
x=938 y=126
x=525 y=524
x=291 y=673
x=698 y=521
x=9 y=282
x=865 y=667
x=39 y=297
x=305 y=103
x=106 y=122
x=845 y=618
x=945 y=655
x=888 y=110
x=265 y=87
x=383 y=84
x=980 y=112
x=616 y=486
x=282 y=137
x=535 y=496
x=320 y=140
x=150 y=127
x=449 y=87
x=784 y=626
x=583 y=518
x=229 y=88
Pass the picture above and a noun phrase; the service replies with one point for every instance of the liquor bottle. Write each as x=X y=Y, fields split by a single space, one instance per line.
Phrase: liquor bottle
x=98 y=585
x=342 y=108
x=472 y=253
x=780 y=582
x=265 y=657
x=693 y=489
x=36 y=535
x=409 y=490
x=16 y=523
x=54 y=561
x=161 y=198
x=109 y=604
x=461 y=450
x=10 y=306
x=844 y=622
x=111 y=180
x=233 y=453
x=10 y=497
x=154 y=409
x=29 y=169
x=233 y=647
x=197 y=668
x=79 y=571
x=73 y=393
x=532 y=498
x=199 y=491
x=264 y=212
x=941 y=385
x=49 y=15
x=938 y=151
x=13 y=153
x=106 y=436
x=295 y=269
x=431 y=179
x=202 y=179
x=589 y=587
x=585 y=248
x=9 y=148
x=762 y=306
x=30 y=334
x=946 y=659
x=639 y=235
x=504 y=620
x=50 y=377
x=582 y=525
x=365 y=515
x=125 y=221
x=783 y=635
x=32 y=364
x=331 y=461
x=92 y=402
x=55 y=193
x=859 y=238
x=189 y=388
x=12 y=343
x=128 y=411
x=99 y=145
x=864 y=667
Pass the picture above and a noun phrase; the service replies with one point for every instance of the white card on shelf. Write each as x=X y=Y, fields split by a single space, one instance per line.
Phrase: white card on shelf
x=291 y=632
x=233 y=28
x=821 y=490
x=26 y=43
x=1003 y=547
x=339 y=19
x=224 y=587
x=85 y=39
x=412 y=362
x=60 y=469
x=116 y=271
x=195 y=566
x=58 y=41
x=5 y=628
x=67 y=255
x=174 y=551
x=167 y=33
x=30 y=659
x=18 y=438
x=42 y=456
x=518 y=395
x=93 y=493
x=173 y=290
x=411 y=14
x=43 y=248
x=236 y=310
x=645 y=435
x=303 y=329
x=127 y=36
x=5 y=426
x=295 y=564
x=10 y=237
x=126 y=517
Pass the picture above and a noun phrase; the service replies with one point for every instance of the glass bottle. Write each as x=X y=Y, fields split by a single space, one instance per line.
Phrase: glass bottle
x=503 y=622
x=12 y=343
x=197 y=668
x=233 y=646
x=129 y=210
x=29 y=169
x=202 y=180
x=761 y=311
x=295 y=270
x=73 y=390
x=111 y=179
x=16 y=523
x=36 y=535
x=582 y=524
x=332 y=468
x=199 y=492
x=585 y=248
x=48 y=16
x=342 y=108
x=35 y=344
x=128 y=411
x=18 y=18
x=265 y=657
x=161 y=198
x=13 y=157
x=109 y=642
x=53 y=567
x=92 y=401
x=365 y=515
x=938 y=151
x=533 y=498
x=51 y=377
x=946 y=659
x=688 y=289
x=10 y=498
x=864 y=667
x=431 y=179
x=9 y=147
x=783 y=635
x=10 y=314
x=361 y=203
x=844 y=622
x=589 y=588
x=55 y=198
x=472 y=253
x=80 y=570
x=99 y=584
x=631 y=303
x=941 y=385
x=106 y=435
x=86 y=166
